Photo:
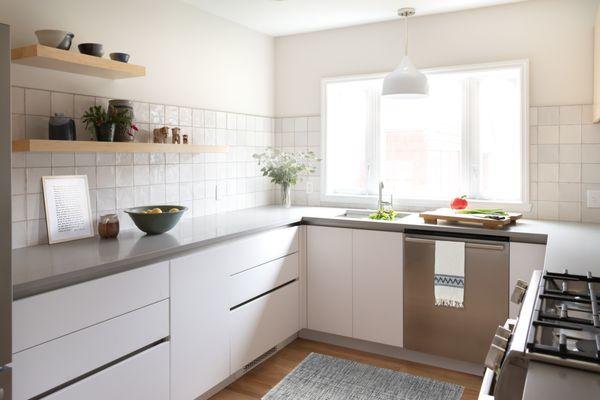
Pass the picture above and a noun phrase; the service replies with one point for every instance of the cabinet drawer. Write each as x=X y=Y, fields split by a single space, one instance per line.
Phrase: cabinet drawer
x=262 y=324
x=144 y=376
x=242 y=254
x=50 y=315
x=44 y=367
x=258 y=280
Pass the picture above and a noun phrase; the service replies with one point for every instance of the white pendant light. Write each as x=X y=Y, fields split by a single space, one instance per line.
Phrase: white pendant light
x=405 y=81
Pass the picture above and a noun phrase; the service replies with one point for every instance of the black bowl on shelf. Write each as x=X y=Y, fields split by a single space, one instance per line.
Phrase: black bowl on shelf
x=121 y=57
x=91 y=49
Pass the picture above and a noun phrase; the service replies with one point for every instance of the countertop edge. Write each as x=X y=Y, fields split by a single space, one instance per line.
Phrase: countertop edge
x=301 y=217
x=29 y=289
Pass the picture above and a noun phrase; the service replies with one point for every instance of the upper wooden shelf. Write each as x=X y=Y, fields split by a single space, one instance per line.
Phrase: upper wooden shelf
x=40 y=56
x=66 y=146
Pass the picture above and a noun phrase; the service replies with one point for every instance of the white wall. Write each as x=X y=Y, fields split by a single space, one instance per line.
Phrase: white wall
x=193 y=58
x=555 y=35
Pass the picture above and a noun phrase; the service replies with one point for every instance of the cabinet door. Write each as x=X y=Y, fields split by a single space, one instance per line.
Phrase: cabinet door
x=199 y=323
x=144 y=376
x=51 y=364
x=329 y=260
x=263 y=323
x=524 y=259
x=377 y=285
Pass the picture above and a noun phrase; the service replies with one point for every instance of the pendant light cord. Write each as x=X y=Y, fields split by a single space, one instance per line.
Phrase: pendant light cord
x=405 y=35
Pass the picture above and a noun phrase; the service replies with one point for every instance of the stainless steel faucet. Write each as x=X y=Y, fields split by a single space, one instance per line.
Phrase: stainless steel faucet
x=382 y=204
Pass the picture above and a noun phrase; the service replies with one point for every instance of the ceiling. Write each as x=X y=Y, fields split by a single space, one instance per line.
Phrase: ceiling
x=286 y=17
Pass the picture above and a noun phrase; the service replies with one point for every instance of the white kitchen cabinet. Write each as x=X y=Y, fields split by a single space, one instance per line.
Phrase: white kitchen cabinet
x=329 y=290
x=302 y=278
x=51 y=364
x=199 y=323
x=263 y=323
x=253 y=250
x=261 y=279
x=144 y=376
x=524 y=259
x=377 y=294
x=47 y=316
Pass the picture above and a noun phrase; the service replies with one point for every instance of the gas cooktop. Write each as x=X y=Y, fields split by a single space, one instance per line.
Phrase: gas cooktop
x=565 y=328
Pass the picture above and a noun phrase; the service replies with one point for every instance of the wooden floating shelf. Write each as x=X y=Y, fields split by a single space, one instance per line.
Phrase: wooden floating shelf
x=40 y=56
x=66 y=146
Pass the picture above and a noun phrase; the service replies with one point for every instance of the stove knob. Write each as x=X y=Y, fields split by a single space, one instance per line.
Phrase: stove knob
x=494 y=357
x=500 y=342
x=519 y=292
x=503 y=332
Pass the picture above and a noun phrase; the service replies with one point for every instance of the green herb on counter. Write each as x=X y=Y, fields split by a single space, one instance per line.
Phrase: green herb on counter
x=384 y=215
x=484 y=211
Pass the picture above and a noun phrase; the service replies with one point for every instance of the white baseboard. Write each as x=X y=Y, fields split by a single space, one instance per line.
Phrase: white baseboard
x=394 y=352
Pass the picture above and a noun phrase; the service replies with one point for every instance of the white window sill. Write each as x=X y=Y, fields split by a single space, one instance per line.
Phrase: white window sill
x=416 y=205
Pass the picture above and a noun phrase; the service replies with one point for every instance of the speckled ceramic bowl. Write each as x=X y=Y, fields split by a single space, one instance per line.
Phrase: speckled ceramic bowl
x=121 y=57
x=55 y=38
x=155 y=224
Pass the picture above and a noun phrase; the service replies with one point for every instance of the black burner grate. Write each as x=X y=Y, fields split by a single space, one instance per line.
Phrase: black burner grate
x=554 y=331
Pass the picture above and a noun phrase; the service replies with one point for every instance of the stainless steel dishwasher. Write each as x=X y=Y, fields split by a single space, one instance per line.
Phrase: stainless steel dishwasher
x=458 y=333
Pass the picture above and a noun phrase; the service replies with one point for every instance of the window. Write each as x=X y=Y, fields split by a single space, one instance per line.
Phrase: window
x=467 y=137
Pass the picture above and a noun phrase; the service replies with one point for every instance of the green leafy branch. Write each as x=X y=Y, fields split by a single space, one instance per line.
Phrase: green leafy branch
x=283 y=167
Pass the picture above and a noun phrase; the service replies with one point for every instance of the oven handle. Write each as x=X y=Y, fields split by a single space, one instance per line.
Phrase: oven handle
x=486 y=386
x=478 y=246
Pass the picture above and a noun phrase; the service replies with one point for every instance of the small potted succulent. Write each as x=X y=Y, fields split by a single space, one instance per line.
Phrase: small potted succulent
x=104 y=124
x=284 y=169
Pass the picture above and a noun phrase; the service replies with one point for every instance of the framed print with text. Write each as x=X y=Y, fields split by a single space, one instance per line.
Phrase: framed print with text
x=68 y=209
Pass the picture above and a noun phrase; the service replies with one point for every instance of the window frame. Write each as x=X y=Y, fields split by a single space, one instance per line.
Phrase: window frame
x=354 y=200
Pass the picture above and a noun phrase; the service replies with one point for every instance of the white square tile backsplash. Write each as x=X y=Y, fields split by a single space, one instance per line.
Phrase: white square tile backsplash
x=570 y=115
x=548 y=116
x=568 y=147
x=122 y=180
x=37 y=102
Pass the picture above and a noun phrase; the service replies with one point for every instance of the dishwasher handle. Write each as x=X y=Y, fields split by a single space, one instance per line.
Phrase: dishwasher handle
x=477 y=246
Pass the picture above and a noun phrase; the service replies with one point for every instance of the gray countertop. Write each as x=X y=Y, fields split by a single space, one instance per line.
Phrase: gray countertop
x=43 y=268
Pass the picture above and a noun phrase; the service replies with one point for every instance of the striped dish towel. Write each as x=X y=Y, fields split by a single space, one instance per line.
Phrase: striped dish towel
x=449 y=279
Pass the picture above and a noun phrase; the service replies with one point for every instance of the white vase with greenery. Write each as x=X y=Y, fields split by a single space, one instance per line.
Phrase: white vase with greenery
x=285 y=169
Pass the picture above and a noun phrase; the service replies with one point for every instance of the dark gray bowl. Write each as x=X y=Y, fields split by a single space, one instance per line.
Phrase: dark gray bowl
x=121 y=57
x=91 y=49
x=155 y=224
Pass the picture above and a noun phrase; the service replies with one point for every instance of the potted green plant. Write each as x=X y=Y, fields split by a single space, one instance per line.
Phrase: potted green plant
x=122 y=110
x=103 y=124
x=124 y=126
x=285 y=168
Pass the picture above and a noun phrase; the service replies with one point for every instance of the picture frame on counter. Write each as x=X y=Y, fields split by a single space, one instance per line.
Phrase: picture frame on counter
x=68 y=208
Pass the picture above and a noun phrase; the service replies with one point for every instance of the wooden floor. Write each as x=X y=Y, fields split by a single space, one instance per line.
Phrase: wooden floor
x=261 y=379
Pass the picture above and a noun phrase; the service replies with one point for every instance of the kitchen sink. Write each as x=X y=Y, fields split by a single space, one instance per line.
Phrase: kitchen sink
x=364 y=214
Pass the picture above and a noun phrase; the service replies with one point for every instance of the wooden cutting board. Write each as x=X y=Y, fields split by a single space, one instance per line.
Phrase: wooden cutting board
x=447 y=214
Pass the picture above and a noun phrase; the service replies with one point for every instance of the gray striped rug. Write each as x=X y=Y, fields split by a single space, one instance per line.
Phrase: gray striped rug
x=330 y=378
